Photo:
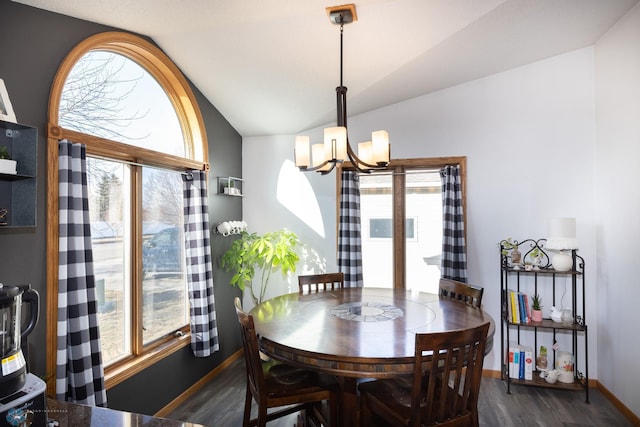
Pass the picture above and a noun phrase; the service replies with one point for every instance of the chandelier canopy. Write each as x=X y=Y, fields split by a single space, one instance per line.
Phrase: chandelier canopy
x=323 y=157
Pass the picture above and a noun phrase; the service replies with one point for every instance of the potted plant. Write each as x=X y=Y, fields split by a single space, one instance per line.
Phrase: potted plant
x=541 y=360
x=510 y=248
x=536 y=308
x=272 y=251
x=7 y=165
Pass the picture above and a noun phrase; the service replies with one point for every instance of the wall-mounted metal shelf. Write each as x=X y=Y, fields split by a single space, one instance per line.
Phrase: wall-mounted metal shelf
x=230 y=186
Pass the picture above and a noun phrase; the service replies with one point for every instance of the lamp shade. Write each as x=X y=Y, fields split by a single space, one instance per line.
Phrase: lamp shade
x=365 y=152
x=380 y=147
x=301 y=151
x=317 y=155
x=562 y=234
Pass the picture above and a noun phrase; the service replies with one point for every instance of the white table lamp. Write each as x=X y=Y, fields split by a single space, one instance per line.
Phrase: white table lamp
x=562 y=238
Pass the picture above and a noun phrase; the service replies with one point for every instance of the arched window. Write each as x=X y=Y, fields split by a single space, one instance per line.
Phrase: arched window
x=129 y=104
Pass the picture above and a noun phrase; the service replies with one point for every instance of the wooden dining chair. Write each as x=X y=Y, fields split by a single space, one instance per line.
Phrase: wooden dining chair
x=320 y=282
x=445 y=387
x=460 y=291
x=282 y=386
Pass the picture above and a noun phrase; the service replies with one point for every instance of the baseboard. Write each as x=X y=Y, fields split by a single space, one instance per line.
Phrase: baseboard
x=619 y=405
x=488 y=373
x=175 y=403
x=592 y=384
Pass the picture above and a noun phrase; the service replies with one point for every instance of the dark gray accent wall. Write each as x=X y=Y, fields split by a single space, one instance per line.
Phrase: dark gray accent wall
x=34 y=43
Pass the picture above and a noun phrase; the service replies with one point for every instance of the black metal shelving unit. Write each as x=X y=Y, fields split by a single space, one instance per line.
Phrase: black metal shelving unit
x=530 y=277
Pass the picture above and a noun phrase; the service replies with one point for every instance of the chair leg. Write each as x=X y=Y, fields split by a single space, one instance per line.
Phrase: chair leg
x=364 y=412
x=333 y=410
x=475 y=418
x=246 y=421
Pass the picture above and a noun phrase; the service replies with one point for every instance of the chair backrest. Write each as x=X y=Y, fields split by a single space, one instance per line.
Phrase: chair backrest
x=253 y=365
x=452 y=362
x=320 y=282
x=460 y=291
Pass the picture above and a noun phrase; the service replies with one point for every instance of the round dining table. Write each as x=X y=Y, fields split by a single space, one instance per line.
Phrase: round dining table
x=358 y=332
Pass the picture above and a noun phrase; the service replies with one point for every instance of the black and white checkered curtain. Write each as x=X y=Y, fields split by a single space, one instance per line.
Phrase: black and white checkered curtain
x=79 y=370
x=204 y=328
x=349 y=234
x=454 y=252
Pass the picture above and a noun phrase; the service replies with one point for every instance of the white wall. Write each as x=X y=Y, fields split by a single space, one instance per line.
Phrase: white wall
x=528 y=135
x=617 y=59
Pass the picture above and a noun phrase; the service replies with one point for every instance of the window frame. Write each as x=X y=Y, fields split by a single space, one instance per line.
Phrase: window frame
x=177 y=88
x=398 y=168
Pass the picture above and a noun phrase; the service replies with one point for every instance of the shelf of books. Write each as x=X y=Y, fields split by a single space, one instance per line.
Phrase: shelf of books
x=528 y=278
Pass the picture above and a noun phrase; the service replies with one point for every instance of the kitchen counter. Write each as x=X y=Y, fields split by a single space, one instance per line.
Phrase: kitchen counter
x=75 y=415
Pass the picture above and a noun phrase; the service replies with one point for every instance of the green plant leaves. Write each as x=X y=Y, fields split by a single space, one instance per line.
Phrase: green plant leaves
x=273 y=250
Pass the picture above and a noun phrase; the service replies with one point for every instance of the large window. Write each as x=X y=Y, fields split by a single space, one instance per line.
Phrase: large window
x=134 y=111
x=401 y=220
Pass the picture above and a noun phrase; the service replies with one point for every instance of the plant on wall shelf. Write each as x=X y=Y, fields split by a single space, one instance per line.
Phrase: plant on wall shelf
x=507 y=245
x=272 y=251
x=7 y=165
x=536 y=302
x=536 y=308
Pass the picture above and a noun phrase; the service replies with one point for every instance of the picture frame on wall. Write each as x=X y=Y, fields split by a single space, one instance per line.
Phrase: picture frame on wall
x=6 y=110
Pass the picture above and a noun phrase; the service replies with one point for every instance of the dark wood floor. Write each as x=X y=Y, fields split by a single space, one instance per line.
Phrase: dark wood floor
x=220 y=403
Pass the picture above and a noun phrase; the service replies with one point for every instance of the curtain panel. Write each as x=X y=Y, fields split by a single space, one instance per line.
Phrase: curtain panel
x=349 y=231
x=79 y=369
x=204 y=329
x=454 y=253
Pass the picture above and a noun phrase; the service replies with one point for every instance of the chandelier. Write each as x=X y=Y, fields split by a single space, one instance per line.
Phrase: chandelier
x=323 y=157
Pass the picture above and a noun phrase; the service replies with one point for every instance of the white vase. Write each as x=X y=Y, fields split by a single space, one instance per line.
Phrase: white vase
x=565 y=365
x=562 y=261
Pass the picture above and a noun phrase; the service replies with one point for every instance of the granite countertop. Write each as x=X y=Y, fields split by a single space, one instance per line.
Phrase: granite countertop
x=75 y=415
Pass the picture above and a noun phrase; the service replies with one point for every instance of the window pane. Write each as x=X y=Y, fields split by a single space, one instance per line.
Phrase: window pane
x=382 y=228
x=109 y=196
x=377 y=246
x=164 y=289
x=111 y=96
x=424 y=203
x=423 y=228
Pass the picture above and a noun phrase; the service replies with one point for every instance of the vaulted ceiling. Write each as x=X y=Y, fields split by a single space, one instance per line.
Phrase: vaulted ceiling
x=271 y=66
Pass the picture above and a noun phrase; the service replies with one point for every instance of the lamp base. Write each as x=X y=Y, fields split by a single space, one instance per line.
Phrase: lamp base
x=562 y=261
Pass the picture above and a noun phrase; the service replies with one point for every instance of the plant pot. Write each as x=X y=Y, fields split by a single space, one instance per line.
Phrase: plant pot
x=536 y=315
x=8 y=166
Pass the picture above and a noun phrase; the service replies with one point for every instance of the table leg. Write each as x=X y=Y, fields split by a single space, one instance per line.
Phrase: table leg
x=350 y=408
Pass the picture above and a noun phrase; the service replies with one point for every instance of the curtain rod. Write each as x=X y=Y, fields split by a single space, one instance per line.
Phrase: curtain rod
x=410 y=172
x=189 y=175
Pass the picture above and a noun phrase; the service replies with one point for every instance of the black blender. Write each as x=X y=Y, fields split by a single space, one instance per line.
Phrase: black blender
x=22 y=394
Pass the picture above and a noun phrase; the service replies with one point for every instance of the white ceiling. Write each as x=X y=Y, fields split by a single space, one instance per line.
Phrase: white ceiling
x=271 y=66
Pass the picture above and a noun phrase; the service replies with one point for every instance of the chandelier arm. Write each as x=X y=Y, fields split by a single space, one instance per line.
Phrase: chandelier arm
x=320 y=166
x=357 y=162
x=328 y=171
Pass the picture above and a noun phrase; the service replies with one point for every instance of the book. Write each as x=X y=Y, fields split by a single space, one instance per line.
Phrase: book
x=528 y=307
x=513 y=350
x=528 y=363
x=515 y=312
x=520 y=362
x=521 y=306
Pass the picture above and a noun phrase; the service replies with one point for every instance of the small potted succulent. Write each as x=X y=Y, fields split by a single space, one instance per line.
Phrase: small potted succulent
x=536 y=308
x=541 y=360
